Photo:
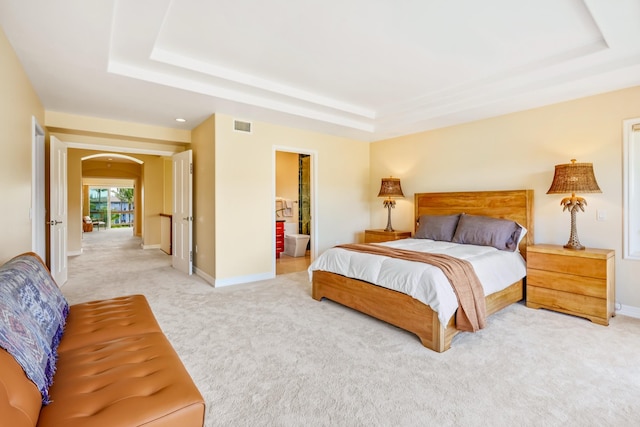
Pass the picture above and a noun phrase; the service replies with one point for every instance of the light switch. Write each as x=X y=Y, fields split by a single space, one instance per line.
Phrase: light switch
x=601 y=215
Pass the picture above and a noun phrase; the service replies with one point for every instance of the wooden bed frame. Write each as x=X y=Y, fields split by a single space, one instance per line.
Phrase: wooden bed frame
x=410 y=314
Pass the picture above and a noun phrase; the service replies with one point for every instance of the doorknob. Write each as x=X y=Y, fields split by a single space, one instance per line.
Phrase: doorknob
x=54 y=222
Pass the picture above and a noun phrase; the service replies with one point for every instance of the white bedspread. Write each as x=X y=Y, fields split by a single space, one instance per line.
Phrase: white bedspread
x=496 y=270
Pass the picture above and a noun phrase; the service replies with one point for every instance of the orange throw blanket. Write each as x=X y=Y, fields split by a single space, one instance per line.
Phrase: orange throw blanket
x=472 y=310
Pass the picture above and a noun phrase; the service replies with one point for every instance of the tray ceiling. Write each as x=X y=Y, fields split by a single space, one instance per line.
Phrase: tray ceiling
x=361 y=69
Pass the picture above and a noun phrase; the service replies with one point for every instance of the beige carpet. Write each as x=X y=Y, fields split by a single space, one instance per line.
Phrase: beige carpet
x=267 y=354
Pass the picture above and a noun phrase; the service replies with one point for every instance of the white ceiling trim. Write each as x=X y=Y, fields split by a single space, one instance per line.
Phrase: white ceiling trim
x=153 y=76
x=181 y=61
x=116 y=155
x=112 y=149
x=513 y=80
x=511 y=88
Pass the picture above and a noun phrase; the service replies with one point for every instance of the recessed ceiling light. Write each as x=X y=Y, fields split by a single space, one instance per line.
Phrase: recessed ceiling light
x=181 y=120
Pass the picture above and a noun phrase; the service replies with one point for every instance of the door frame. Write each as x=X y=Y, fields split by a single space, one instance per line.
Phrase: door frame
x=630 y=191
x=313 y=196
x=38 y=212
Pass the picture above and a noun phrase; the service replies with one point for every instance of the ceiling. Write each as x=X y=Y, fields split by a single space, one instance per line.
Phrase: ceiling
x=364 y=69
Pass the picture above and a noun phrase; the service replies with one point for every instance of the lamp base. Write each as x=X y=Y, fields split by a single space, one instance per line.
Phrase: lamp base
x=389 y=203
x=574 y=247
x=574 y=242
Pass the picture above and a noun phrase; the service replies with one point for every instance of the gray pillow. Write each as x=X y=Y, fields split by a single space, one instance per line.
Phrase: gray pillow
x=480 y=230
x=437 y=227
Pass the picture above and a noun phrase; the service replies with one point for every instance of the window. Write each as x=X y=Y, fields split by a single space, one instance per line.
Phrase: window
x=98 y=198
x=113 y=205
x=631 y=188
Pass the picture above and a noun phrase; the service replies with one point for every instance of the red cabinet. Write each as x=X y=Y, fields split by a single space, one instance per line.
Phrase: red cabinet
x=279 y=238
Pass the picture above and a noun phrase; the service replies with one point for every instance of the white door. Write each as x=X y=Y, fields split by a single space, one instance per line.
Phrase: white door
x=182 y=220
x=58 y=210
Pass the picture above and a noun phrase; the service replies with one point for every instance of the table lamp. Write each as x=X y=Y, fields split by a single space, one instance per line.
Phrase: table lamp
x=390 y=188
x=574 y=178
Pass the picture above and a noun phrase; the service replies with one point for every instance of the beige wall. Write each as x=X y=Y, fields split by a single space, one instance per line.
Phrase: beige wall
x=287 y=169
x=18 y=104
x=153 y=200
x=74 y=202
x=245 y=194
x=203 y=147
x=519 y=151
x=167 y=204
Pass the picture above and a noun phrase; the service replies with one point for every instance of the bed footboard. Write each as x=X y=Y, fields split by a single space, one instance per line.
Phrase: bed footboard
x=399 y=309
x=387 y=305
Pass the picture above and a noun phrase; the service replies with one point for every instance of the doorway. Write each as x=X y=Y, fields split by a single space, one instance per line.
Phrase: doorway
x=293 y=210
x=108 y=214
x=110 y=199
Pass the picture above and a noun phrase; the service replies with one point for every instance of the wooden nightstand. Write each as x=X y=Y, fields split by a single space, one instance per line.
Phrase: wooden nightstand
x=377 y=236
x=580 y=283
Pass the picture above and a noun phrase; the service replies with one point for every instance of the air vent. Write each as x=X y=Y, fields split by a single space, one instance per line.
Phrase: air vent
x=241 y=126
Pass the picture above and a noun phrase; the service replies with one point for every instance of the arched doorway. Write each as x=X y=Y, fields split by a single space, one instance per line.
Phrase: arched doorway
x=111 y=193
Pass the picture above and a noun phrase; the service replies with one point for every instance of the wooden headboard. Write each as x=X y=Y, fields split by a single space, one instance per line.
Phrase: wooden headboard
x=516 y=205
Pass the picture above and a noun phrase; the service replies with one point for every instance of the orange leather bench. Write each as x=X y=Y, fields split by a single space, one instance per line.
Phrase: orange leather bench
x=115 y=368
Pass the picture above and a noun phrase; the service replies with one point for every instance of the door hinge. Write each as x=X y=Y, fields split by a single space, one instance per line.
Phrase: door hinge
x=191 y=168
x=191 y=256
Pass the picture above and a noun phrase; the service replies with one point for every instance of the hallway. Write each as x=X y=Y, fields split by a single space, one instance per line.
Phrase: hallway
x=113 y=249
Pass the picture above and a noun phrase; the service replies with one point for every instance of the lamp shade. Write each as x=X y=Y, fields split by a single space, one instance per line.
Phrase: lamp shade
x=390 y=187
x=574 y=178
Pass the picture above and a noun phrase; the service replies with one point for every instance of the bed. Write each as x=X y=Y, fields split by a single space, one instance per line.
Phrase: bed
x=410 y=314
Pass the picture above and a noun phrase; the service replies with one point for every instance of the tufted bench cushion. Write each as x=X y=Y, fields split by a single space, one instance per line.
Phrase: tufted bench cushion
x=138 y=379
x=97 y=321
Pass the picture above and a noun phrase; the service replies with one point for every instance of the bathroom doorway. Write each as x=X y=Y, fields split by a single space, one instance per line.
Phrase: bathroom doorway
x=293 y=209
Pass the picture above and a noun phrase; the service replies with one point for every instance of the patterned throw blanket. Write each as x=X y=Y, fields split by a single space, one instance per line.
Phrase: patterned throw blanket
x=472 y=311
x=33 y=313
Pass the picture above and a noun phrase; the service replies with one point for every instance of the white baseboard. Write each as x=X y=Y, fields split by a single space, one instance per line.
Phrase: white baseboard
x=218 y=283
x=74 y=253
x=150 y=246
x=627 y=310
